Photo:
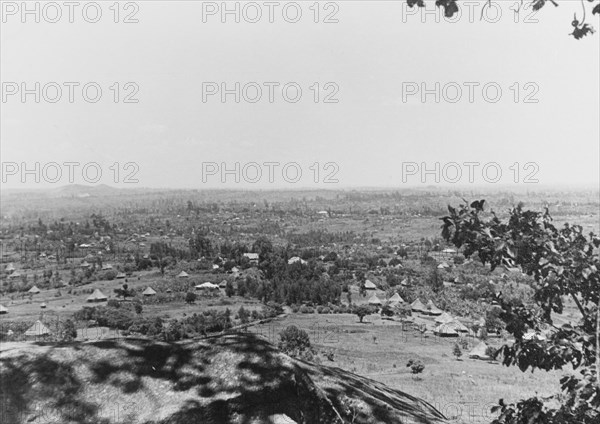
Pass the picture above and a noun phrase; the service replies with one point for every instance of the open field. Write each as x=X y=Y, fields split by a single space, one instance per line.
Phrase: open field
x=463 y=390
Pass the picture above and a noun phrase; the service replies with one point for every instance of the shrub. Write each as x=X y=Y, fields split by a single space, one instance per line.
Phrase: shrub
x=306 y=309
x=113 y=303
x=295 y=308
x=490 y=351
x=325 y=310
x=293 y=341
x=190 y=297
x=456 y=351
x=416 y=366
x=330 y=355
x=272 y=309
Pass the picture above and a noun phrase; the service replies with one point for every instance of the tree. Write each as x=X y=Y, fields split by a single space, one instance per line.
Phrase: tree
x=69 y=332
x=387 y=310
x=435 y=280
x=243 y=315
x=456 y=351
x=580 y=29
x=190 y=297
x=564 y=264
x=362 y=311
x=123 y=292
x=229 y=290
x=138 y=307
x=263 y=247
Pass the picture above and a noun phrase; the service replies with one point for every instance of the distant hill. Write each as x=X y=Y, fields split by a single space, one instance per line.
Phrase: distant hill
x=228 y=379
x=79 y=190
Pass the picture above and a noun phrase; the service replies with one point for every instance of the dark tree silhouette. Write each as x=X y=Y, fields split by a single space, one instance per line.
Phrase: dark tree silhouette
x=580 y=28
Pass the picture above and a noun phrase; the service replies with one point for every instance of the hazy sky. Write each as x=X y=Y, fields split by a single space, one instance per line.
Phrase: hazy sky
x=372 y=56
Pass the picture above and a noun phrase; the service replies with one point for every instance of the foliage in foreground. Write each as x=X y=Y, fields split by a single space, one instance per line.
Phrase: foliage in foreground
x=563 y=263
x=580 y=28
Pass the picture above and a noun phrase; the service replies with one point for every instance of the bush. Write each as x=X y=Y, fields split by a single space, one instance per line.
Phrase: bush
x=416 y=366
x=293 y=341
x=272 y=309
x=113 y=303
x=490 y=351
x=190 y=297
x=456 y=351
x=295 y=308
x=330 y=355
x=325 y=310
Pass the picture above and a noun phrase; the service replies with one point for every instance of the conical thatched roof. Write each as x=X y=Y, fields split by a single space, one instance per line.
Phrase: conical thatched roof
x=431 y=309
x=460 y=327
x=149 y=291
x=183 y=274
x=444 y=318
x=38 y=329
x=206 y=285
x=479 y=352
x=374 y=300
x=33 y=290
x=445 y=330
x=396 y=298
x=418 y=306
x=97 y=296
x=3 y=310
x=369 y=285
